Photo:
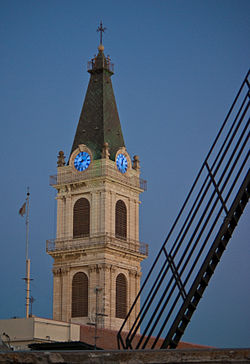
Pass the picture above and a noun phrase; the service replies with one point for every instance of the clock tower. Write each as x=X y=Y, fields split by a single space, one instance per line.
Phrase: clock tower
x=97 y=252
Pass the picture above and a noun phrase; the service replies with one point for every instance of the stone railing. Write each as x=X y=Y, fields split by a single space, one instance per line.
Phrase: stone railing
x=70 y=244
x=68 y=176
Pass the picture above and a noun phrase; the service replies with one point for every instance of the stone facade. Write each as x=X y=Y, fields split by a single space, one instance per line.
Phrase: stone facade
x=101 y=255
x=109 y=184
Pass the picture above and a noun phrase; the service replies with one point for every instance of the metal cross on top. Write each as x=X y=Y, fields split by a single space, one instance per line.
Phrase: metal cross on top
x=101 y=30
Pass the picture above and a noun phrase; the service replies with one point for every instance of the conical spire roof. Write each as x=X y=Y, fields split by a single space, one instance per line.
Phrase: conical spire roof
x=99 y=120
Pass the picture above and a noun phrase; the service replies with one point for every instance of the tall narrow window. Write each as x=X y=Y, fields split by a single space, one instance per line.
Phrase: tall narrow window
x=80 y=295
x=81 y=218
x=120 y=220
x=121 y=296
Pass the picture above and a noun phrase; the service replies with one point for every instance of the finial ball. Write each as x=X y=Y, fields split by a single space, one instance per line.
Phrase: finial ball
x=101 y=48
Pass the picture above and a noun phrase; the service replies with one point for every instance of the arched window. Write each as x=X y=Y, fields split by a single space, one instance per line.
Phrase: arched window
x=120 y=220
x=80 y=295
x=121 y=296
x=81 y=219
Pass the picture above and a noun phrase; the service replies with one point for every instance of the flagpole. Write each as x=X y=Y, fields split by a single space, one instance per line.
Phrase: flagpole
x=27 y=276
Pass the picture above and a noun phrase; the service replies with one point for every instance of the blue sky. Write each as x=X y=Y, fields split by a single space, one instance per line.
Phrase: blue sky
x=178 y=66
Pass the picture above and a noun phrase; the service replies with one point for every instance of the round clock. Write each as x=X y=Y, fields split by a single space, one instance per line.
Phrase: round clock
x=122 y=163
x=82 y=161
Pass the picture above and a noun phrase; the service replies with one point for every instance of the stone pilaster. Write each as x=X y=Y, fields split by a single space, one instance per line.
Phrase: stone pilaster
x=102 y=211
x=57 y=294
x=137 y=289
x=112 y=295
x=60 y=214
x=93 y=272
x=112 y=212
x=136 y=220
x=131 y=293
x=69 y=216
x=61 y=301
x=66 y=298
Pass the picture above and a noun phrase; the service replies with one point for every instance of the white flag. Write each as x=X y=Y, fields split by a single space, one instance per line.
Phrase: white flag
x=22 y=209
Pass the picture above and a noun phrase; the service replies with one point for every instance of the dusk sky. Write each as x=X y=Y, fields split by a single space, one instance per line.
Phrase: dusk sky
x=178 y=67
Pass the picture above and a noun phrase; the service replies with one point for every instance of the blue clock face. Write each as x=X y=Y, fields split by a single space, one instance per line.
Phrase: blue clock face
x=122 y=163
x=82 y=161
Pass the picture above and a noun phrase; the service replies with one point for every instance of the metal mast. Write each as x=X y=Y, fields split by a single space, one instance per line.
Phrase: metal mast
x=27 y=276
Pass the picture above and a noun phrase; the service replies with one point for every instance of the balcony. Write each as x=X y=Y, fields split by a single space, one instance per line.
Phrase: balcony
x=106 y=64
x=105 y=240
x=69 y=176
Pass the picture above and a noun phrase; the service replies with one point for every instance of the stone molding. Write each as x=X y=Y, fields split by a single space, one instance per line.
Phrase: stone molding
x=60 y=271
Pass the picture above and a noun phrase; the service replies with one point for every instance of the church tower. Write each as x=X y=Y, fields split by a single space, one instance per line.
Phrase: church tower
x=97 y=253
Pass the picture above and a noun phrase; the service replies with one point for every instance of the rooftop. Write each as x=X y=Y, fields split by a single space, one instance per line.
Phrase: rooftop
x=99 y=121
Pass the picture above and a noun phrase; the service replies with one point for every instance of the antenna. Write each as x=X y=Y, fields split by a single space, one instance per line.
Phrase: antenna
x=25 y=209
x=97 y=314
x=32 y=300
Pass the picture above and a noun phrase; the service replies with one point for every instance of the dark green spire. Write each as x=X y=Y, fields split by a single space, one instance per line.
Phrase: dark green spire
x=99 y=120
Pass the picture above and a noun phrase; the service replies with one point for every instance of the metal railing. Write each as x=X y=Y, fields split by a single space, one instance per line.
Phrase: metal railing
x=80 y=243
x=70 y=176
x=175 y=282
x=106 y=65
